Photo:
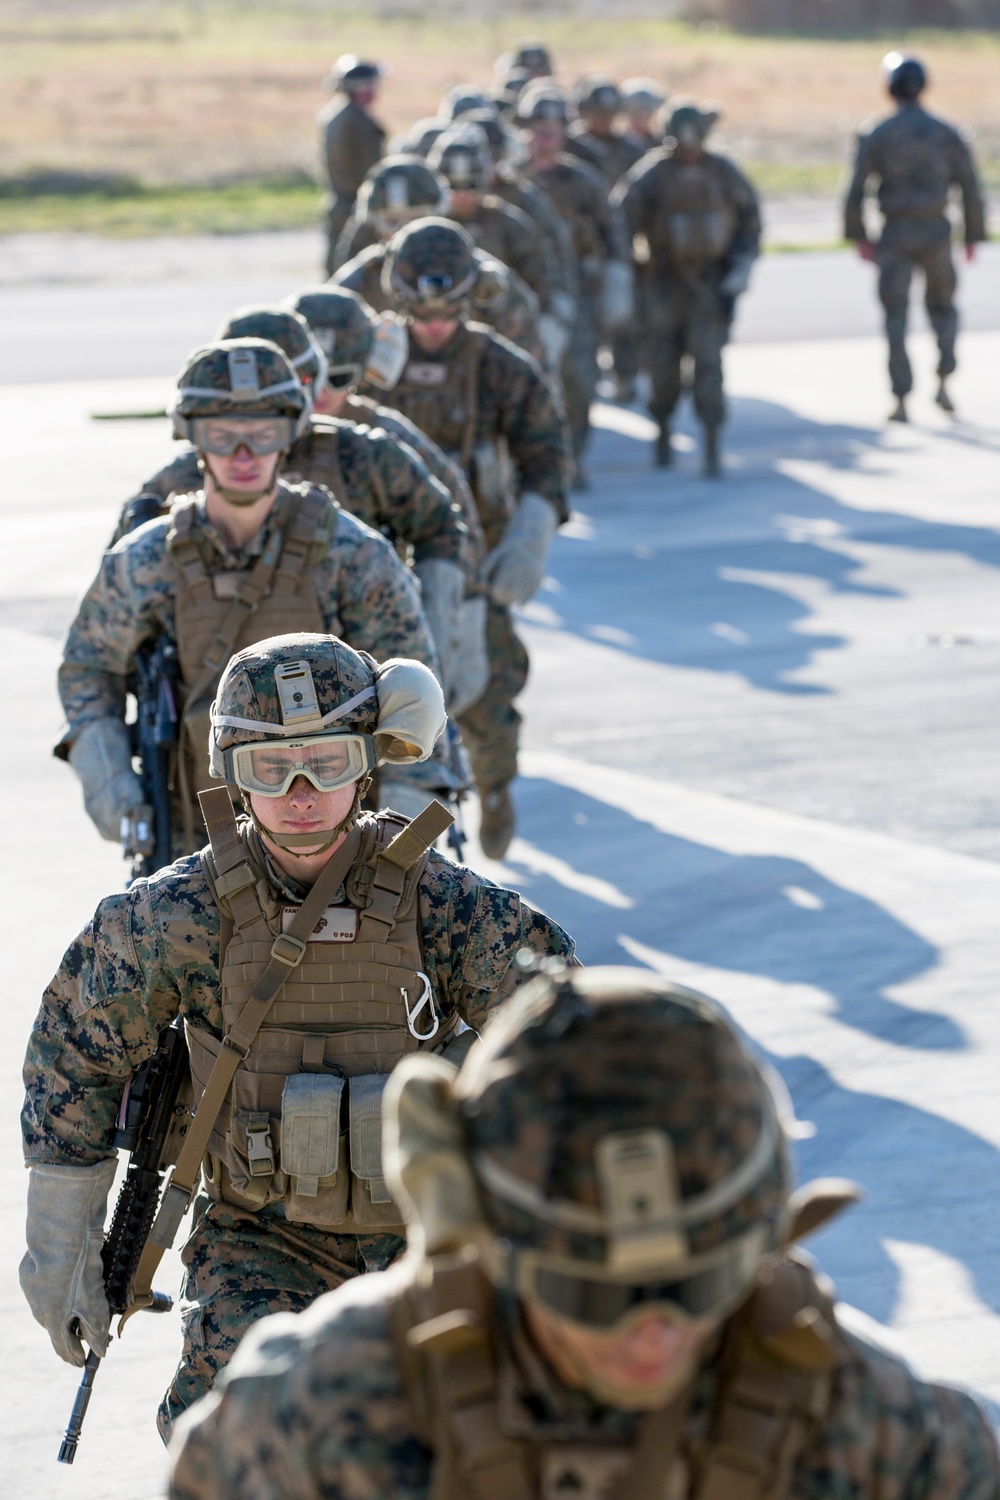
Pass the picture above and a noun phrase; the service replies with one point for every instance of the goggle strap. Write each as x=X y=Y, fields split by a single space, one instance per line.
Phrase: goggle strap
x=286 y=732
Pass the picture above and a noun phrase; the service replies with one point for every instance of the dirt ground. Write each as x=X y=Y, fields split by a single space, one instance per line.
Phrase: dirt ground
x=209 y=91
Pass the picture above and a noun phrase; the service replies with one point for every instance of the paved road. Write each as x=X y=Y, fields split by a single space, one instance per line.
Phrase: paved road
x=761 y=742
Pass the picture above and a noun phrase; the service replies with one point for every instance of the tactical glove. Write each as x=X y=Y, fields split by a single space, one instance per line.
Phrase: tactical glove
x=61 y=1274
x=617 y=296
x=515 y=568
x=471 y=668
x=554 y=336
x=101 y=756
x=737 y=278
x=442 y=587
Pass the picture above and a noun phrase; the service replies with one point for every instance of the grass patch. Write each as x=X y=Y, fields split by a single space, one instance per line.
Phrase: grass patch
x=235 y=208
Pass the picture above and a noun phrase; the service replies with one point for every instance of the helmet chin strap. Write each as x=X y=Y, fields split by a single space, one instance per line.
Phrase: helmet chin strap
x=240 y=498
x=300 y=845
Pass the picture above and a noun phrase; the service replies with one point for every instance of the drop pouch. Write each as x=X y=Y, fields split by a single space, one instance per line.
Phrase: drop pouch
x=312 y=1147
x=371 y=1203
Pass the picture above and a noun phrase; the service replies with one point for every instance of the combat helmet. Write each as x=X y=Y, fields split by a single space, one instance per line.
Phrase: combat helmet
x=598 y=93
x=310 y=705
x=499 y=140
x=289 y=331
x=905 y=77
x=463 y=98
x=358 y=344
x=534 y=57
x=610 y=1145
x=398 y=190
x=642 y=94
x=508 y=89
x=463 y=158
x=689 y=124
x=248 y=380
x=349 y=74
x=431 y=269
x=543 y=101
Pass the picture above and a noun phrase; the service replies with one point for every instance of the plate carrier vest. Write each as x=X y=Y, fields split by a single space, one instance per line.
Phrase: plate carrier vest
x=692 y=223
x=218 y=614
x=776 y=1365
x=301 y=1121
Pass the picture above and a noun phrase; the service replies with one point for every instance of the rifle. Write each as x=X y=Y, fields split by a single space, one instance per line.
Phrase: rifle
x=149 y=1123
x=146 y=835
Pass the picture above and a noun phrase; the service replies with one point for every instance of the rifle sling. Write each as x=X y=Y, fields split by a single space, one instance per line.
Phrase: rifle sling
x=286 y=953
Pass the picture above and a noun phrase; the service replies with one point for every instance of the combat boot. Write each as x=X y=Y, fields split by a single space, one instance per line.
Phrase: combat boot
x=898 y=413
x=496 y=827
x=711 y=466
x=663 y=453
x=942 y=398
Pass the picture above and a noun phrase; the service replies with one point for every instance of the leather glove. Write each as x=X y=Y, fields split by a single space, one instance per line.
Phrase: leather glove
x=515 y=568
x=617 y=296
x=101 y=756
x=442 y=587
x=554 y=336
x=737 y=278
x=471 y=668
x=61 y=1274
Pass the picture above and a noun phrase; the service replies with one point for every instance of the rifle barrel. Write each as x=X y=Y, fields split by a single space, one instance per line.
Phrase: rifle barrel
x=70 y=1442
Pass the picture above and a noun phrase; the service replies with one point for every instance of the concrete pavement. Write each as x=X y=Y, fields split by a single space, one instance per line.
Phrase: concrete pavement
x=761 y=739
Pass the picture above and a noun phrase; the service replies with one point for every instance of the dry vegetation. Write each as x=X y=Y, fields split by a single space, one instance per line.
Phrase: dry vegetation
x=210 y=92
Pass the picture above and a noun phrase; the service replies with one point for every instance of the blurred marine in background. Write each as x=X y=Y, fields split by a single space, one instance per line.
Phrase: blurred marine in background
x=351 y=140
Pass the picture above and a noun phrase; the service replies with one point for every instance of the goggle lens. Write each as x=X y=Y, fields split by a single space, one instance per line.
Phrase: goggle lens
x=222 y=436
x=602 y=1304
x=343 y=376
x=328 y=762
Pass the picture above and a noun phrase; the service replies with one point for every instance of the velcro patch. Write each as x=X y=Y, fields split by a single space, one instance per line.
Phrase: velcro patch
x=227 y=585
x=582 y=1473
x=425 y=372
x=338 y=924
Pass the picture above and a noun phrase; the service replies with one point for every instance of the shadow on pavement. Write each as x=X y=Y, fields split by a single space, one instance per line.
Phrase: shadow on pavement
x=713 y=599
x=755 y=914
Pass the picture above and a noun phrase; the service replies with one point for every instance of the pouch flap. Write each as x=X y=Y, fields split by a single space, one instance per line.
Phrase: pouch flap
x=310 y=1128
x=366 y=1132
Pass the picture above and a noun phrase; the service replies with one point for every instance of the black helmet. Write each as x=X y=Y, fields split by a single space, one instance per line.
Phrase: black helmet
x=905 y=77
x=597 y=92
x=431 y=266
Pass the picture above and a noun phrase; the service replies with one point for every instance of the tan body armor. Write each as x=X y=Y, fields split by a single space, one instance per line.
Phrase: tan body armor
x=301 y=1122
x=442 y=397
x=775 y=1374
x=218 y=614
x=692 y=221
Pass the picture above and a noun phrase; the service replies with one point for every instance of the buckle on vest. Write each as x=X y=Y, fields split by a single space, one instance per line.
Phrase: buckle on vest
x=288 y=950
x=426 y=998
x=234 y=880
x=260 y=1151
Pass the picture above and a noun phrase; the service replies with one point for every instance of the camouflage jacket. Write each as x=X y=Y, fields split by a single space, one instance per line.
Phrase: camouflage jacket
x=580 y=195
x=313 y=1407
x=508 y=234
x=512 y=312
x=513 y=402
x=365 y=593
x=375 y=476
x=351 y=142
x=916 y=158
x=613 y=155
x=152 y=952
x=660 y=192
x=516 y=190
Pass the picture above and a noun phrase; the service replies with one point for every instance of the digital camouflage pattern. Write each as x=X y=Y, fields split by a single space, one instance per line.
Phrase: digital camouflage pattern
x=512 y=311
x=916 y=159
x=417 y=192
x=364 y=593
x=509 y=235
x=515 y=189
x=491 y=727
x=374 y=474
x=351 y=142
x=151 y=953
x=683 y=308
x=613 y=155
x=281 y=326
x=314 y=1408
x=248 y=687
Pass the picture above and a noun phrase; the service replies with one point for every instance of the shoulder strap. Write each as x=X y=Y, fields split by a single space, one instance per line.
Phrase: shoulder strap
x=396 y=859
x=775 y=1388
x=325 y=441
x=478 y=341
x=287 y=952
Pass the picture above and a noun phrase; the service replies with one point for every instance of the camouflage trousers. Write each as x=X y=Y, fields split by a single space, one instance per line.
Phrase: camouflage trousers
x=579 y=376
x=686 y=320
x=240 y=1267
x=490 y=727
x=908 y=245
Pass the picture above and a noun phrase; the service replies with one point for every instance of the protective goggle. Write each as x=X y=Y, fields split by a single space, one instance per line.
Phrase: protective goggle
x=328 y=761
x=340 y=377
x=223 y=435
x=713 y=1284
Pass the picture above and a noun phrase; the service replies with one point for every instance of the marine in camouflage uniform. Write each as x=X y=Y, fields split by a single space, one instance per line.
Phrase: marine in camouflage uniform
x=600 y=247
x=407 y=946
x=308 y=565
x=916 y=160
x=701 y=220
x=488 y=405
x=603 y=1295
x=351 y=142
